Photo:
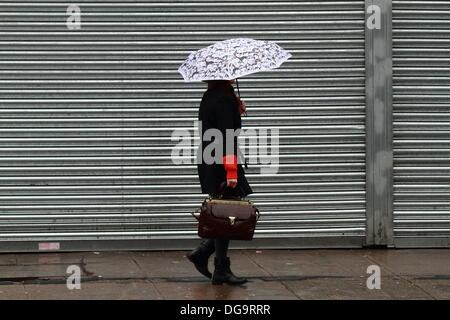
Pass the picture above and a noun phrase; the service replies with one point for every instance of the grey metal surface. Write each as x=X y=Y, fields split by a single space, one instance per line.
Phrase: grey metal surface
x=421 y=40
x=186 y=244
x=379 y=126
x=87 y=115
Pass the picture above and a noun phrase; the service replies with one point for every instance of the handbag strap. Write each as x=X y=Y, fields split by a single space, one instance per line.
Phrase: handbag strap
x=258 y=214
x=196 y=211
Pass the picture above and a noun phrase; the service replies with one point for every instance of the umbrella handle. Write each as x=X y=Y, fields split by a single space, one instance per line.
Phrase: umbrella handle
x=237 y=86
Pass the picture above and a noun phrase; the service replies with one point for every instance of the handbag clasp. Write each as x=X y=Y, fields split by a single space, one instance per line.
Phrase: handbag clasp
x=232 y=220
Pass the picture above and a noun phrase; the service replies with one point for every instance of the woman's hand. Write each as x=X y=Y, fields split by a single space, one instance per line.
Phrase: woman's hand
x=232 y=183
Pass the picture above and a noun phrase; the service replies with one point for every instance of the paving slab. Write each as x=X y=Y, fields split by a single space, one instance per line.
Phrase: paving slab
x=242 y=264
x=356 y=289
x=7 y=259
x=111 y=265
x=439 y=289
x=273 y=274
x=412 y=262
x=402 y=288
x=334 y=289
x=311 y=262
x=164 y=264
x=13 y=292
x=344 y=262
x=252 y=290
x=12 y=272
x=177 y=265
x=112 y=290
x=66 y=258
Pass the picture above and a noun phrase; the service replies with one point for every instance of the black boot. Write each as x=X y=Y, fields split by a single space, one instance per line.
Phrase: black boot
x=200 y=255
x=222 y=273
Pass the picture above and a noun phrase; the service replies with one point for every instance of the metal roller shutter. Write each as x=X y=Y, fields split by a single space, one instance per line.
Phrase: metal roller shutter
x=421 y=44
x=87 y=117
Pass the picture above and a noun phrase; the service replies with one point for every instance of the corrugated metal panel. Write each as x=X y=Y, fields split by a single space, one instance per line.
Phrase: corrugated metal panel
x=421 y=42
x=87 y=116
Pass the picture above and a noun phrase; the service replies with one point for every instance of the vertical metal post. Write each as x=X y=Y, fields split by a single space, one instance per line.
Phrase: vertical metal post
x=379 y=156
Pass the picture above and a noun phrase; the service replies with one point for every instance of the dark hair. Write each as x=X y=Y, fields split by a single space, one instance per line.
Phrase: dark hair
x=227 y=87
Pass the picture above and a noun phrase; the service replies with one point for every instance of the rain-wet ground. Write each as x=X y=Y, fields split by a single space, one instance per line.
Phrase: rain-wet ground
x=273 y=274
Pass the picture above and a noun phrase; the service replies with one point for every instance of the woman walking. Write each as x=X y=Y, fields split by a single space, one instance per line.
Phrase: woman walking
x=220 y=109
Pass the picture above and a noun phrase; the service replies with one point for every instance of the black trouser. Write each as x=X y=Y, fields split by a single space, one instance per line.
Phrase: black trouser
x=221 y=245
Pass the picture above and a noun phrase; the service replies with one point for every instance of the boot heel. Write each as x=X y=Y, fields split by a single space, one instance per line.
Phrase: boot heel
x=222 y=273
x=217 y=282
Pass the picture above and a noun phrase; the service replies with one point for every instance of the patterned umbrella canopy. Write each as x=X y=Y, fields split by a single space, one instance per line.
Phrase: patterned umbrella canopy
x=231 y=59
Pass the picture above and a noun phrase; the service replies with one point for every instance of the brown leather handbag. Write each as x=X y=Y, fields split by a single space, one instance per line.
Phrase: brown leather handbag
x=227 y=219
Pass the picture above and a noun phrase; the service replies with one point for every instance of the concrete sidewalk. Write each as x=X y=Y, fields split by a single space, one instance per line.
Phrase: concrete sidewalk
x=273 y=274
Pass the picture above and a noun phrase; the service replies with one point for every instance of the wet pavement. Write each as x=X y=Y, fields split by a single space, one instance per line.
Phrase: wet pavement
x=273 y=274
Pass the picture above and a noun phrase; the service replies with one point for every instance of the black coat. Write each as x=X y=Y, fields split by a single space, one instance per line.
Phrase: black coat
x=220 y=111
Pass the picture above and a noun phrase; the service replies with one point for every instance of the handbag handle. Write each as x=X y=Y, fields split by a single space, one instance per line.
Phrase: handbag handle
x=196 y=212
x=222 y=188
